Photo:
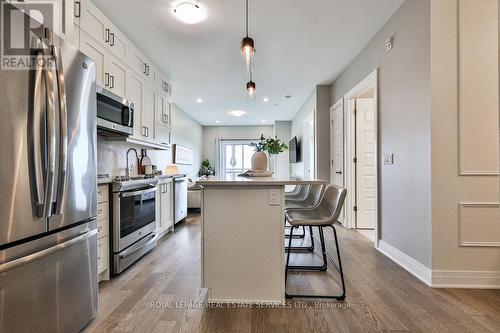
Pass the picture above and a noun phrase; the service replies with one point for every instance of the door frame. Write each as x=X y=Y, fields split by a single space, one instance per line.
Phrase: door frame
x=350 y=131
x=338 y=104
x=310 y=117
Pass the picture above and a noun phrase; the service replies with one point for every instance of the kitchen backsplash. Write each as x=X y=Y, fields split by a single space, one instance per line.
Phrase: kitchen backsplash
x=111 y=157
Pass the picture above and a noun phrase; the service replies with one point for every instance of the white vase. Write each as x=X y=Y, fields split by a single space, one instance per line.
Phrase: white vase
x=259 y=161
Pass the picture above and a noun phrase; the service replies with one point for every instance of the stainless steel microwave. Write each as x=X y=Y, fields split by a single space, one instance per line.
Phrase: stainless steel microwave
x=115 y=115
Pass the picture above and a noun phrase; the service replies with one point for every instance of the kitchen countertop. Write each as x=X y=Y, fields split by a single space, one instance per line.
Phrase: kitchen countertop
x=231 y=180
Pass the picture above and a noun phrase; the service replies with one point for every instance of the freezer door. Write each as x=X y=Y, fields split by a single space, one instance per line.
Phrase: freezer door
x=77 y=177
x=22 y=138
x=52 y=289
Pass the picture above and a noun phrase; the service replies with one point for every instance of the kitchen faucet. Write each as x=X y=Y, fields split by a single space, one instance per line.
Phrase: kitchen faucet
x=127 y=170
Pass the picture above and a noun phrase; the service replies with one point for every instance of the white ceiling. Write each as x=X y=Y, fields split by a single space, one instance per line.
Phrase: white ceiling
x=298 y=44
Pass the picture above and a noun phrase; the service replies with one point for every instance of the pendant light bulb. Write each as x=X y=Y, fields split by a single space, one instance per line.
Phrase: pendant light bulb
x=247 y=51
x=251 y=87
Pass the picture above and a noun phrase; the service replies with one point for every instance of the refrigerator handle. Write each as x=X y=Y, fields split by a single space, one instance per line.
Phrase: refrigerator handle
x=35 y=137
x=63 y=132
x=44 y=253
x=51 y=142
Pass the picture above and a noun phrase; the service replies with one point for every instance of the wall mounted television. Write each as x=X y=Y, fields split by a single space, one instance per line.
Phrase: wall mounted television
x=294 y=150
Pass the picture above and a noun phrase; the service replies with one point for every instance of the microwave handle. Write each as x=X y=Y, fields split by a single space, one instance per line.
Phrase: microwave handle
x=130 y=116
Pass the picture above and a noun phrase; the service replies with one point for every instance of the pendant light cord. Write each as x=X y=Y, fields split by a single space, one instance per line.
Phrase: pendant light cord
x=247 y=17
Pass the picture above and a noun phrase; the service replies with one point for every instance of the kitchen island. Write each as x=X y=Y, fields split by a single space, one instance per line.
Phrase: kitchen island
x=243 y=256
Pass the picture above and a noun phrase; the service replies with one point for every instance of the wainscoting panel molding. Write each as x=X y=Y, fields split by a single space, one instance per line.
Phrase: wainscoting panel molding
x=479 y=224
x=478 y=88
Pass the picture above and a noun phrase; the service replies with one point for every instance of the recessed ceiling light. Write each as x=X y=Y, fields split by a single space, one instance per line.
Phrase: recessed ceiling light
x=199 y=100
x=217 y=121
x=266 y=99
x=189 y=12
x=236 y=113
x=263 y=120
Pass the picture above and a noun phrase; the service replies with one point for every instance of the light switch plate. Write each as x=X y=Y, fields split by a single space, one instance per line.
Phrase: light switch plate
x=274 y=198
x=388 y=158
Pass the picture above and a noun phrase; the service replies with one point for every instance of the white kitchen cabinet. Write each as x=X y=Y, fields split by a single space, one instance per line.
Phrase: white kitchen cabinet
x=163 y=135
x=134 y=95
x=94 y=23
x=164 y=111
x=97 y=26
x=95 y=52
x=164 y=208
x=164 y=85
x=103 y=267
x=148 y=113
x=138 y=62
x=115 y=76
x=111 y=73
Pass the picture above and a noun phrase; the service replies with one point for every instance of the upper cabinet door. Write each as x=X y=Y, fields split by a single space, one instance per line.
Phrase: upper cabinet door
x=118 y=43
x=134 y=95
x=164 y=85
x=141 y=65
x=148 y=113
x=97 y=53
x=94 y=23
x=117 y=76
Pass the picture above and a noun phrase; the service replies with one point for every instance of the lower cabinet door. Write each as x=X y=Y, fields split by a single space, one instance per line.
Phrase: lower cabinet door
x=102 y=255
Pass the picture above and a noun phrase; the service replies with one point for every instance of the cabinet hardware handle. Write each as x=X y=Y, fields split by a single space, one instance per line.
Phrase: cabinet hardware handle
x=112 y=39
x=78 y=9
x=112 y=77
x=144 y=70
x=147 y=131
x=147 y=69
x=106 y=39
x=106 y=79
x=143 y=130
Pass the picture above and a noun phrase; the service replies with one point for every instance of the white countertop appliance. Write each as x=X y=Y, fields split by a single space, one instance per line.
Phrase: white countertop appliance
x=180 y=197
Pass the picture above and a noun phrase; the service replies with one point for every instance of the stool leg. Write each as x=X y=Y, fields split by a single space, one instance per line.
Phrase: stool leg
x=341 y=271
x=288 y=255
x=309 y=248
x=321 y=268
x=296 y=236
x=323 y=248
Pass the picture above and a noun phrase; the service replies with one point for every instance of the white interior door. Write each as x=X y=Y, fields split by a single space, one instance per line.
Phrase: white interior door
x=308 y=147
x=365 y=166
x=337 y=144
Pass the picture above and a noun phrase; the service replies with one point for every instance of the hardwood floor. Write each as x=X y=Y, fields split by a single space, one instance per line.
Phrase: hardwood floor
x=161 y=293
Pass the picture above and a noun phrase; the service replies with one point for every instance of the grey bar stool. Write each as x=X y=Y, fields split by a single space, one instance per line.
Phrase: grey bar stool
x=310 y=201
x=326 y=214
x=299 y=193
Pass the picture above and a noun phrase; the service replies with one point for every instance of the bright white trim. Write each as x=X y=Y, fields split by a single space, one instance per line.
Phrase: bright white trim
x=370 y=81
x=466 y=279
x=420 y=271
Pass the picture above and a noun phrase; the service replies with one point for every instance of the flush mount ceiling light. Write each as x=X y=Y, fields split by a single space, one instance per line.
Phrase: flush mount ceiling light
x=266 y=99
x=236 y=113
x=247 y=44
x=189 y=12
x=199 y=100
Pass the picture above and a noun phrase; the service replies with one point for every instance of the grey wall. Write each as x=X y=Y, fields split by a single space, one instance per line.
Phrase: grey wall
x=297 y=169
x=404 y=125
x=282 y=130
x=211 y=133
x=189 y=133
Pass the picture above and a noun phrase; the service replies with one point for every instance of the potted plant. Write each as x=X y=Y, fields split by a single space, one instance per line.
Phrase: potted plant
x=206 y=169
x=273 y=146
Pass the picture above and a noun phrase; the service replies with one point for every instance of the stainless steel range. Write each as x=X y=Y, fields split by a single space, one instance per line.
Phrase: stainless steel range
x=134 y=220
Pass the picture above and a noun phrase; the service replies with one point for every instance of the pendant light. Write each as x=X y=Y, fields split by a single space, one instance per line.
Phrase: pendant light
x=247 y=45
x=251 y=87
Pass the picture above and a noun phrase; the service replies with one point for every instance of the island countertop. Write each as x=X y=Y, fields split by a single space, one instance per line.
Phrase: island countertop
x=231 y=180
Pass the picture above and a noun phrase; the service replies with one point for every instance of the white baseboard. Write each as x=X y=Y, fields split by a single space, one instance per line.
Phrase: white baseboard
x=466 y=279
x=420 y=271
x=441 y=278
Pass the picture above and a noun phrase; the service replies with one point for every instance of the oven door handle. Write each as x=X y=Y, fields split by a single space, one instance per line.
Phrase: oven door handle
x=131 y=251
x=131 y=194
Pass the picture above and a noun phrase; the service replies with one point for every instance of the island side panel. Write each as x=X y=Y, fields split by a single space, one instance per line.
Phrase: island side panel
x=242 y=244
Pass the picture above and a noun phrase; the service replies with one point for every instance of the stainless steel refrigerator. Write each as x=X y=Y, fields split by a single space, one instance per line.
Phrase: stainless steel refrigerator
x=48 y=200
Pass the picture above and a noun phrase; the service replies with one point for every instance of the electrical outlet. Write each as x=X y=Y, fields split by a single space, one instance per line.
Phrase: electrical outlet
x=274 y=198
x=389 y=44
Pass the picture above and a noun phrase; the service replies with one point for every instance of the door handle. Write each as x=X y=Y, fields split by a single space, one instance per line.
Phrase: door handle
x=106 y=79
x=35 y=137
x=112 y=39
x=78 y=9
x=112 y=81
x=51 y=142
x=147 y=70
x=63 y=131
x=338 y=172
x=144 y=70
x=42 y=254
x=106 y=38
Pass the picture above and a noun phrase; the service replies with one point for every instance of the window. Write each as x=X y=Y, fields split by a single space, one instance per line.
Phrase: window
x=235 y=156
